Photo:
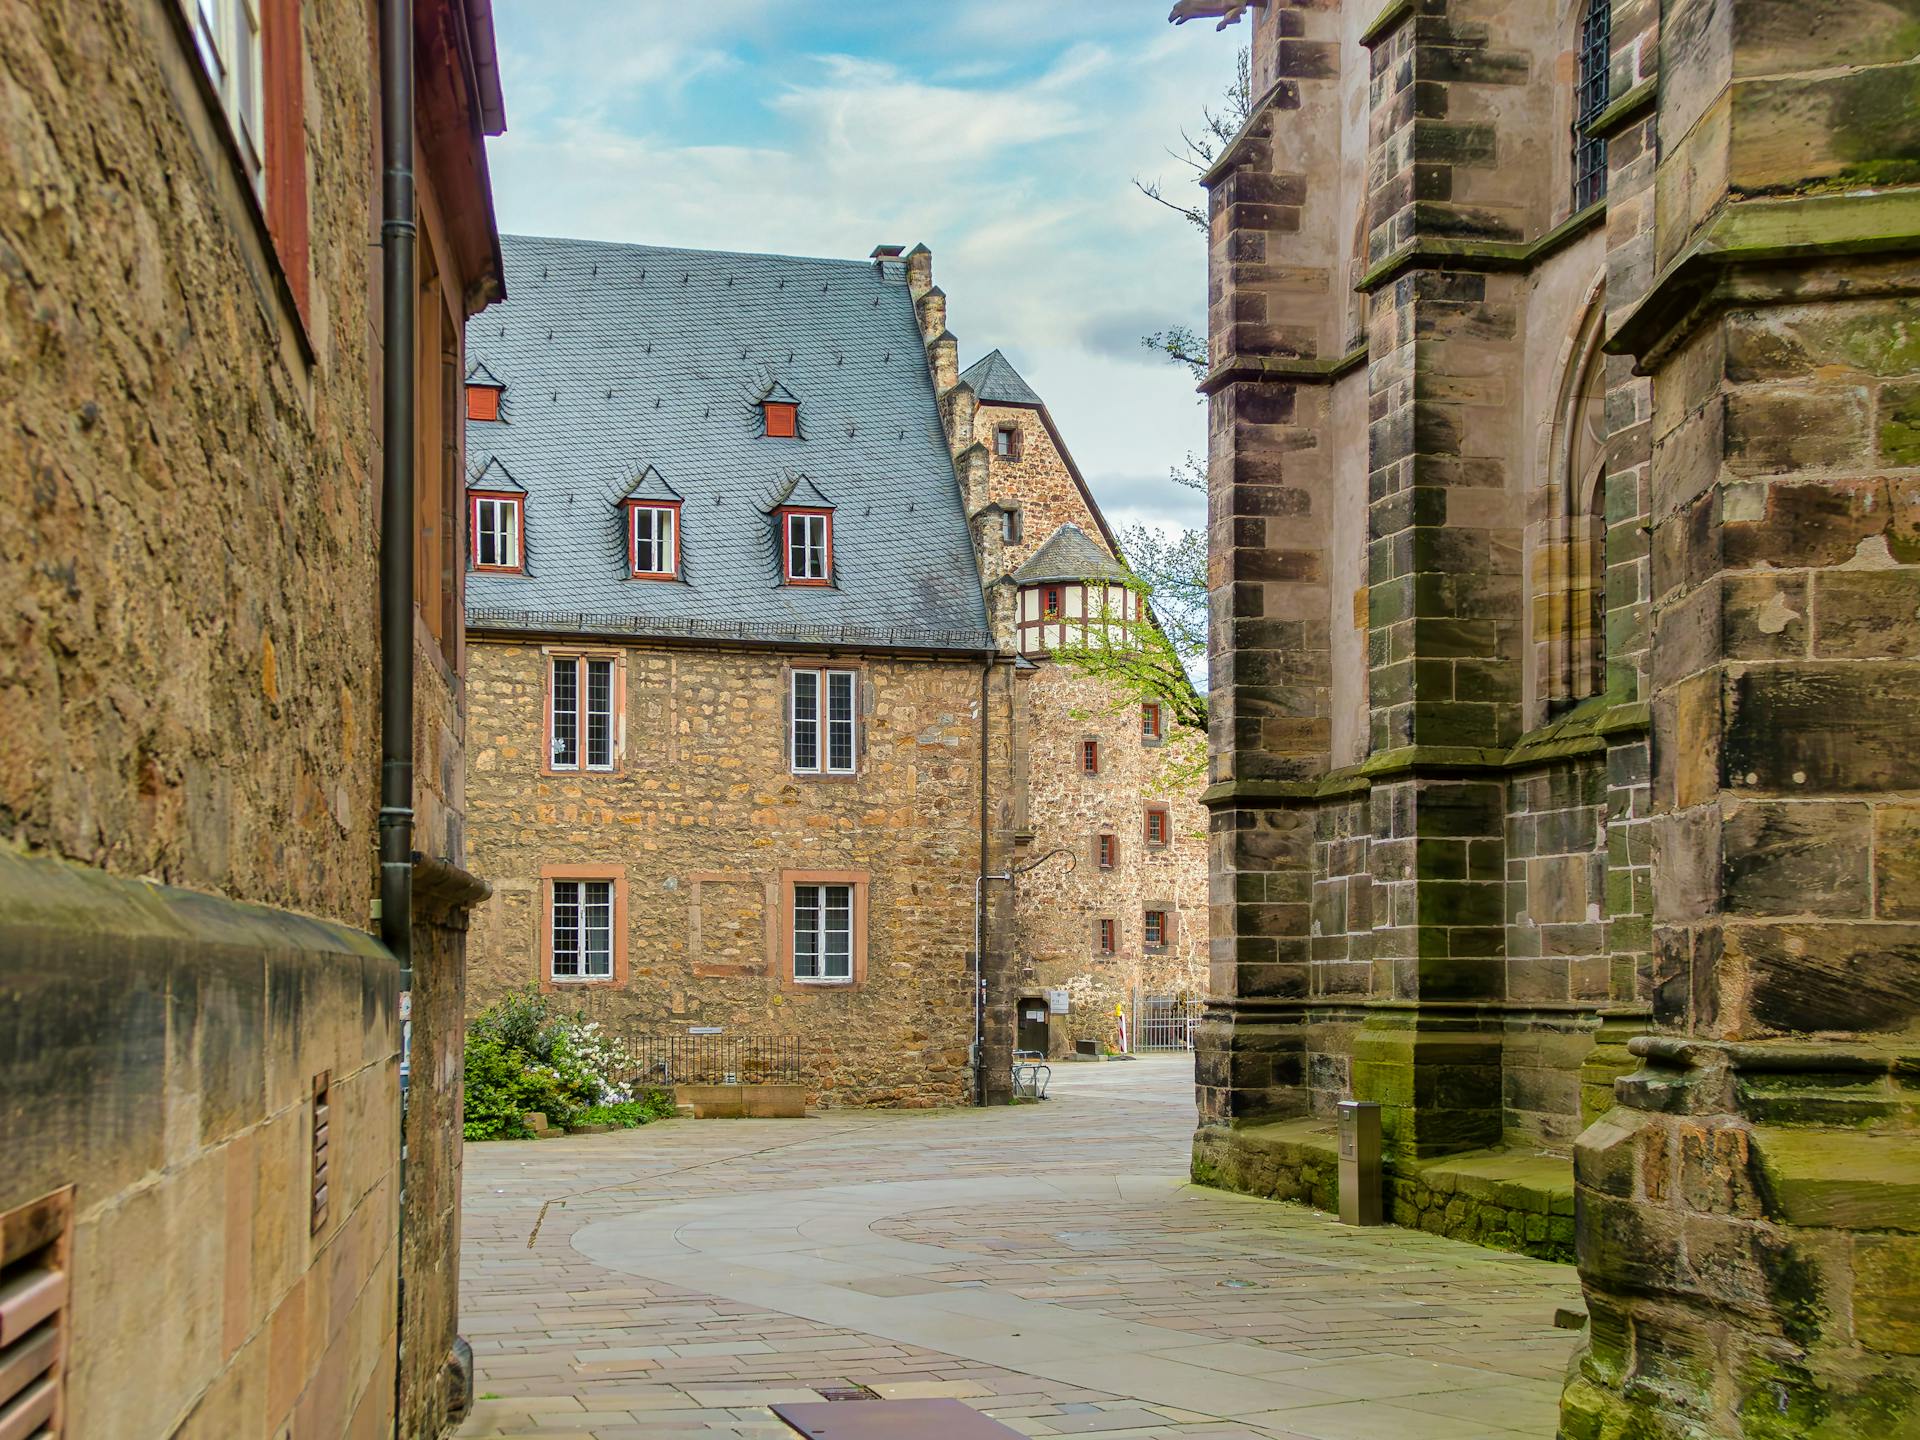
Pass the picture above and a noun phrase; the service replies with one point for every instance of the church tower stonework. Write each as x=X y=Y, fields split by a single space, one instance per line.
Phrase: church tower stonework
x=1565 y=530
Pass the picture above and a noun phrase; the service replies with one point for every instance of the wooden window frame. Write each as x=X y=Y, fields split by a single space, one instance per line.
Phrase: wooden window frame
x=1016 y=442
x=1147 y=942
x=780 y=419
x=519 y=503
x=670 y=507
x=1106 y=937
x=1152 y=723
x=617 y=945
x=1165 y=816
x=787 y=515
x=823 y=743
x=1089 y=756
x=790 y=880
x=1106 y=851
x=483 y=403
x=1012 y=525
x=618 y=719
x=1052 y=602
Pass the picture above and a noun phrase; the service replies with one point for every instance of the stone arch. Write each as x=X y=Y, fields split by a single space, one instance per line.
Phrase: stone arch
x=1570 y=524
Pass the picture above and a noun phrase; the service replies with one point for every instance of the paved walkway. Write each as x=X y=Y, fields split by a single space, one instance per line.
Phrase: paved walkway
x=1046 y=1263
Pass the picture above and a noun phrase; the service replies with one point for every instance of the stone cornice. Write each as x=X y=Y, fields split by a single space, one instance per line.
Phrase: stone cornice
x=1444 y=253
x=1696 y=282
x=1290 y=369
x=1586 y=731
x=1618 y=112
x=1387 y=20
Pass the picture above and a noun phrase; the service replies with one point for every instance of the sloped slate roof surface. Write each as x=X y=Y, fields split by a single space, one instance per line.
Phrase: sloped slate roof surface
x=620 y=357
x=996 y=382
x=1069 y=554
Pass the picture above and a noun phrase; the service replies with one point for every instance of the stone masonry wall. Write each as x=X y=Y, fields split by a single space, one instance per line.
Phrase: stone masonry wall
x=1058 y=906
x=701 y=817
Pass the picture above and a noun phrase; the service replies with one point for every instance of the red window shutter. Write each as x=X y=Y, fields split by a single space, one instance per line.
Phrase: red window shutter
x=782 y=420
x=483 y=402
x=284 y=100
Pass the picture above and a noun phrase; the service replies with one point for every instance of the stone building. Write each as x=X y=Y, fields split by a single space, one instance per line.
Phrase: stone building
x=200 y=1080
x=1111 y=916
x=1563 y=541
x=751 y=756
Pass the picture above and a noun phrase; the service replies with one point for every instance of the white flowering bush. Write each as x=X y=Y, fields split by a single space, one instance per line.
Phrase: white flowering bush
x=525 y=1055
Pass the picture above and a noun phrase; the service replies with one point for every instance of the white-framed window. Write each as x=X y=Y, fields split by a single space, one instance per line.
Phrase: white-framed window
x=808 y=553
x=496 y=532
x=822 y=722
x=581 y=706
x=582 y=929
x=823 y=933
x=655 y=545
x=228 y=36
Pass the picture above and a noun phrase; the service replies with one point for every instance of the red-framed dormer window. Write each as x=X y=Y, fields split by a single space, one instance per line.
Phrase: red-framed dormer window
x=1050 y=603
x=782 y=419
x=806 y=546
x=493 y=520
x=653 y=539
x=483 y=402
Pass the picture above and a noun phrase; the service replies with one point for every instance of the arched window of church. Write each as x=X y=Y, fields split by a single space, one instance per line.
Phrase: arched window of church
x=1586 y=499
x=1589 y=99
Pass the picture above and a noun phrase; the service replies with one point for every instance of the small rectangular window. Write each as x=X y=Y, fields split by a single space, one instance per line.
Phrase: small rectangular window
x=808 y=548
x=565 y=705
x=1010 y=526
x=1105 y=939
x=834 y=732
x=483 y=402
x=496 y=532
x=655 y=547
x=1108 y=850
x=1157 y=825
x=1150 y=721
x=783 y=420
x=1153 y=929
x=1050 y=603
x=582 y=929
x=228 y=36
x=1090 y=756
x=823 y=933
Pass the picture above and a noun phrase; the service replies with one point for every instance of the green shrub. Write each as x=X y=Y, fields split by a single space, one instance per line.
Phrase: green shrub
x=526 y=1054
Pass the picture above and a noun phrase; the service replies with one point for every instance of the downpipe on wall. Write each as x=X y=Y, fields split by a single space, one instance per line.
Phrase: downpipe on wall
x=398 y=225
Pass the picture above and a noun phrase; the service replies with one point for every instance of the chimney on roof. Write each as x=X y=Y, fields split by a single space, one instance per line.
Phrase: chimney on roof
x=882 y=254
x=957 y=407
x=919 y=271
x=943 y=355
x=932 y=309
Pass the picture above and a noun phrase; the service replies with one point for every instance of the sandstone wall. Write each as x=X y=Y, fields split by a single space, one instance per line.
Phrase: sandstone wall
x=702 y=816
x=188 y=555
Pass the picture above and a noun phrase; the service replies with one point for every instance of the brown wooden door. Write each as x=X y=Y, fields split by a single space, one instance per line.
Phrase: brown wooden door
x=1033 y=1026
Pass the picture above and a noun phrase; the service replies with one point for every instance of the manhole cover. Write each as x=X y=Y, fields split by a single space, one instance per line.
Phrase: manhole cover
x=1239 y=1285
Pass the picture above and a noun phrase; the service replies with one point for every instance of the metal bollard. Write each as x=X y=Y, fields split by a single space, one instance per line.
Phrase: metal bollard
x=1360 y=1188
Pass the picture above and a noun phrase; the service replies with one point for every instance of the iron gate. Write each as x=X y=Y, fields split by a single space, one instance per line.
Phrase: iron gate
x=1167 y=1022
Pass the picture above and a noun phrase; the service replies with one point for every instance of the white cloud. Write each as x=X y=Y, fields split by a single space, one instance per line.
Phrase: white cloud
x=660 y=124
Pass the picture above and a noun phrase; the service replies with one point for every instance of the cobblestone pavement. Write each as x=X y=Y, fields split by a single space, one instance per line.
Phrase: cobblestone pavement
x=1048 y=1264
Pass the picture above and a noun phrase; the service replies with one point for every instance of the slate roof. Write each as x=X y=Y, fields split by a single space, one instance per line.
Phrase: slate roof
x=640 y=369
x=1069 y=554
x=996 y=382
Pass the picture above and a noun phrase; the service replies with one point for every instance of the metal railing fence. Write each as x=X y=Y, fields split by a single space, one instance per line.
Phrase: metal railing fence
x=717 y=1059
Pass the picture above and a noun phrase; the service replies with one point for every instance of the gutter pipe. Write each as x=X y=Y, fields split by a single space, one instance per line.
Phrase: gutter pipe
x=397 y=238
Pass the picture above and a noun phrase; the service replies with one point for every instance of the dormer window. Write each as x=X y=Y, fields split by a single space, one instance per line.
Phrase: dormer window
x=494 y=523
x=653 y=540
x=782 y=419
x=807 y=546
x=483 y=402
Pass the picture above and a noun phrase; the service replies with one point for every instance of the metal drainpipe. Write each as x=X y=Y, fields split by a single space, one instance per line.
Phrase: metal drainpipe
x=397 y=237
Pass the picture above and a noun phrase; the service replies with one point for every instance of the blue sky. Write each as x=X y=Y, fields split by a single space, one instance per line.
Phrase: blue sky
x=1002 y=133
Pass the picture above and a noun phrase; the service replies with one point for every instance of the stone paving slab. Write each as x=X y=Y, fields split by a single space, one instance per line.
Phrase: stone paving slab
x=1048 y=1265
